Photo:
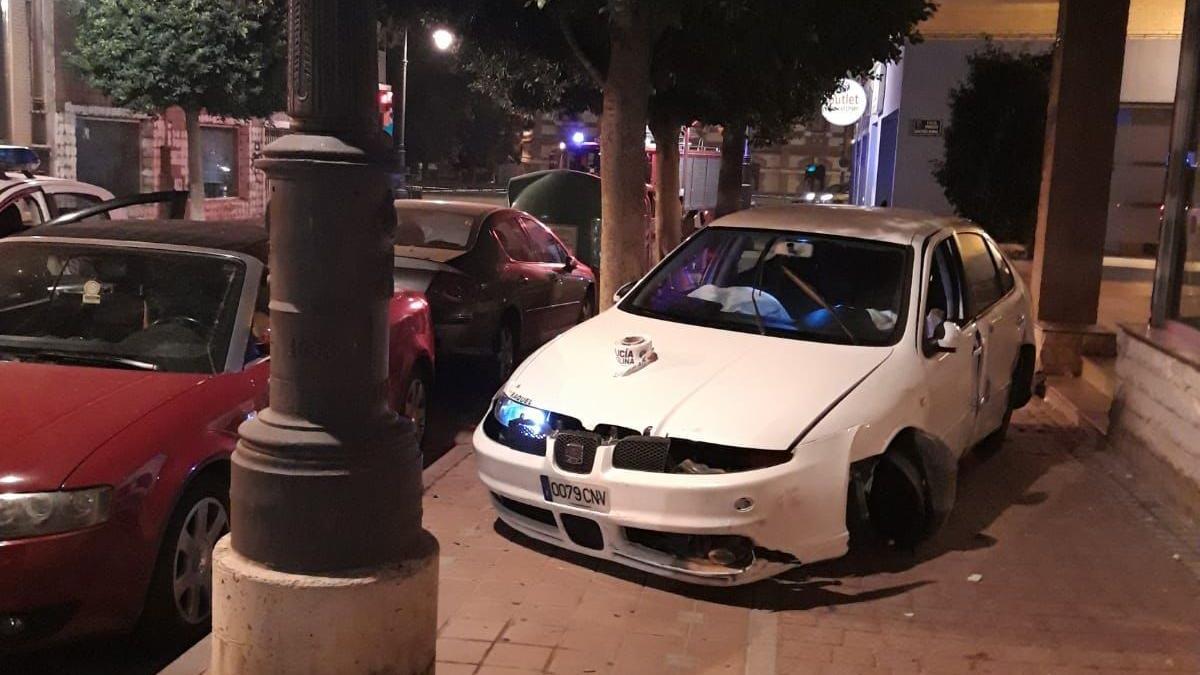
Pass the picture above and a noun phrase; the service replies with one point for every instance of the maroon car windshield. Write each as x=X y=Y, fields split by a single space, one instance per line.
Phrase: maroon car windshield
x=120 y=307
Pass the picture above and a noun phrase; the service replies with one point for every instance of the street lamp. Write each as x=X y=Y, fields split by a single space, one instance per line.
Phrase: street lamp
x=327 y=567
x=443 y=41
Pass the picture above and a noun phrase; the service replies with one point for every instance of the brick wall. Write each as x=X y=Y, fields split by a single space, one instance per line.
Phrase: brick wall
x=163 y=157
x=1156 y=408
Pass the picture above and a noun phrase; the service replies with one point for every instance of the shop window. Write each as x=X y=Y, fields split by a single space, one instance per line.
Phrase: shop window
x=220 y=161
x=109 y=154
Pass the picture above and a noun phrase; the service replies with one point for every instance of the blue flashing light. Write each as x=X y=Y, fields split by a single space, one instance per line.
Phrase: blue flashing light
x=531 y=421
x=578 y=138
x=18 y=158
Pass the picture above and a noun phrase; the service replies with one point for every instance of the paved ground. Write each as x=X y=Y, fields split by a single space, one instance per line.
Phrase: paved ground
x=1080 y=571
x=1077 y=572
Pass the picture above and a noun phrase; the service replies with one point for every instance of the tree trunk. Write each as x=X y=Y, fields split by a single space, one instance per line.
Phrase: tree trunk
x=669 y=214
x=623 y=154
x=733 y=153
x=195 y=153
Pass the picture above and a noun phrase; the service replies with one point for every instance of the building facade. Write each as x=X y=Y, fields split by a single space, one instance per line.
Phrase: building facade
x=45 y=104
x=898 y=142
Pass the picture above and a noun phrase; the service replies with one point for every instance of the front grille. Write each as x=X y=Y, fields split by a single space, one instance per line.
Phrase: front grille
x=575 y=451
x=642 y=453
x=540 y=515
x=583 y=531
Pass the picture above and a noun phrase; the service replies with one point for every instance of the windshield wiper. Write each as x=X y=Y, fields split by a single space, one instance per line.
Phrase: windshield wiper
x=94 y=360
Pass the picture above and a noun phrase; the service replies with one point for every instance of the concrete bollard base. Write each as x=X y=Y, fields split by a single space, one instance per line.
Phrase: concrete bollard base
x=381 y=621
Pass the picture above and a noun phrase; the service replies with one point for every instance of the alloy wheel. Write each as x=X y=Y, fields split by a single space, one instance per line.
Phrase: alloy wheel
x=505 y=353
x=416 y=405
x=205 y=523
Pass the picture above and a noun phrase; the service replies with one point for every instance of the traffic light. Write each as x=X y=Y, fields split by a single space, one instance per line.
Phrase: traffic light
x=387 y=115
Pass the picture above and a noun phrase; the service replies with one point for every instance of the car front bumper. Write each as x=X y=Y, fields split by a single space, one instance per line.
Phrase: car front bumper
x=798 y=513
x=63 y=586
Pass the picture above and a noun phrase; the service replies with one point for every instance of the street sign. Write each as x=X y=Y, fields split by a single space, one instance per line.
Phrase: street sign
x=847 y=105
x=927 y=128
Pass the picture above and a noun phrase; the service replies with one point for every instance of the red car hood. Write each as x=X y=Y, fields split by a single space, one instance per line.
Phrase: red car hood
x=52 y=417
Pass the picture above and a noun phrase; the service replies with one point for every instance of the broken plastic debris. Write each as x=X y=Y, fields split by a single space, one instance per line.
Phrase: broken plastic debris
x=909 y=615
x=975 y=578
x=1176 y=557
x=688 y=466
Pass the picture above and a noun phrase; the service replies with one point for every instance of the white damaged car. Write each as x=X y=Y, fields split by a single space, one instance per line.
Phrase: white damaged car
x=782 y=372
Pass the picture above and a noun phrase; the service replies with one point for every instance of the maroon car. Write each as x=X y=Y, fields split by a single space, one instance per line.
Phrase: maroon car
x=499 y=282
x=129 y=354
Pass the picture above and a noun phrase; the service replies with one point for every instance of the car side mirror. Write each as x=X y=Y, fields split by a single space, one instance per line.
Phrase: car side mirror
x=946 y=337
x=569 y=266
x=623 y=291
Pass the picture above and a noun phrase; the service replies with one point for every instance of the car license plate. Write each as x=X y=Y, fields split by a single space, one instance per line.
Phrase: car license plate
x=587 y=497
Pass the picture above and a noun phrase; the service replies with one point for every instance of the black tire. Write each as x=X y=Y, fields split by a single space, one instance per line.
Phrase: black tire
x=898 y=501
x=505 y=348
x=587 y=308
x=183 y=619
x=418 y=411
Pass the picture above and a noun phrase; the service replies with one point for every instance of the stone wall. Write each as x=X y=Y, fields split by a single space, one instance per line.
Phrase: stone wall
x=1155 y=418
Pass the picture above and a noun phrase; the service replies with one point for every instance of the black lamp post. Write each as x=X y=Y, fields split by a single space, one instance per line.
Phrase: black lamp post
x=326 y=535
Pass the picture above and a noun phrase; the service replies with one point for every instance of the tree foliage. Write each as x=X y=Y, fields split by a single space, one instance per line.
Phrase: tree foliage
x=992 y=169
x=223 y=56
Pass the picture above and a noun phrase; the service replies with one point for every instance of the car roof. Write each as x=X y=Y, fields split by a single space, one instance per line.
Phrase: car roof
x=240 y=236
x=462 y=208
x=898 y=226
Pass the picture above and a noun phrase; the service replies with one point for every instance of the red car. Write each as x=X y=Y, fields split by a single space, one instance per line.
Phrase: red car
x=129 y=354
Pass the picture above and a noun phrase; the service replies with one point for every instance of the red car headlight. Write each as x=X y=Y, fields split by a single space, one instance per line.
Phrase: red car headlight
x=34 y=514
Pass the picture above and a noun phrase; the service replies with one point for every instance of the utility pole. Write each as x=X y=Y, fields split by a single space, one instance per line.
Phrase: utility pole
x=327 y=568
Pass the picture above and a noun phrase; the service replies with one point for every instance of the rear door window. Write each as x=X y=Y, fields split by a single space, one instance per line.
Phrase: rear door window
x=1006 y=274
x=513 y=239
x=70 y=202
x=979 y=273
x=545 y=245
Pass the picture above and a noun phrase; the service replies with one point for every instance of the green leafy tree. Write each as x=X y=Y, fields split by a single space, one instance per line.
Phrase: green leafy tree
x=992 y=169
x=764 y=65
x=220 y=56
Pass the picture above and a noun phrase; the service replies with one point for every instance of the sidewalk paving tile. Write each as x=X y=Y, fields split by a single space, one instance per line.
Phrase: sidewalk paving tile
x=1075 y=575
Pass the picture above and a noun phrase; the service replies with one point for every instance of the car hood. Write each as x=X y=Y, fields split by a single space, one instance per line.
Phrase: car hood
x=52 y=417
x=710 y=385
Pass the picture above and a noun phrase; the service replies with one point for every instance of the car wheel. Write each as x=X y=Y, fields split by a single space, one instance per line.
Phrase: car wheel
x=506 y=352
x=415 y=405
x=587 y=308
x=179 y=605
x=897 y=501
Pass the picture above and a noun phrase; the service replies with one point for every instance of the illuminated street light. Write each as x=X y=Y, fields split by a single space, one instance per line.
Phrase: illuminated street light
x=443 y=39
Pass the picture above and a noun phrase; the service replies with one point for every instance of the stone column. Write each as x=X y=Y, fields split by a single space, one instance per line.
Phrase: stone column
x=327 y=568
x=1085 y=94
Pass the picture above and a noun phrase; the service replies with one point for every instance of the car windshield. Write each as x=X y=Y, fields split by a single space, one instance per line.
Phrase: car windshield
x=434 y=229
x=118 y=307
x=786 y=284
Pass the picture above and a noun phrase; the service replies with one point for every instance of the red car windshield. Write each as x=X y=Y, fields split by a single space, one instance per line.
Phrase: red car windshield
x=110 y=306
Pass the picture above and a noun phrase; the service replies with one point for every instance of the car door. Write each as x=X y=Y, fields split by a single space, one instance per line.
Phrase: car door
x=23 y=210
x=952 y=376
x=984 y=294
x=523 y=278
x=1004 y=335
x=569 y=289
